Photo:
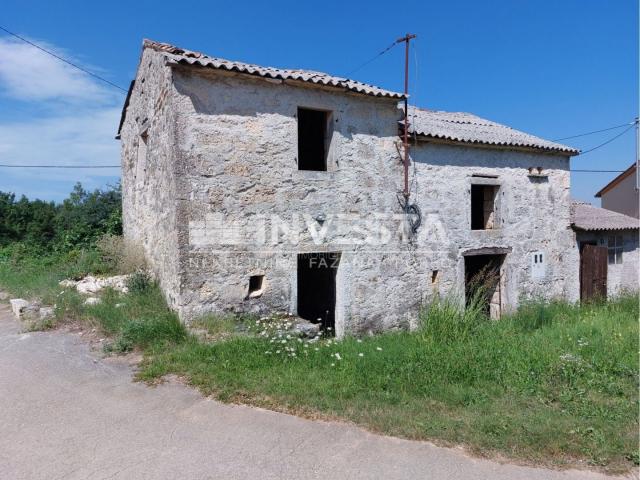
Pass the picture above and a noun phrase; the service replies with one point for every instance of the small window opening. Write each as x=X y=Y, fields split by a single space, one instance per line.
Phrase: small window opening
x=614 y=249
x=312 y=139
x=141 y=167
x=434 y=276
x=256 y=283
x=483 y=207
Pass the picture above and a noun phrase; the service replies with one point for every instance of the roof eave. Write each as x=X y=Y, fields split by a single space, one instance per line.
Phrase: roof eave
x=616 y=181
x=388 y=95
x=123 y=114
x=602 y=229
x=478 y=144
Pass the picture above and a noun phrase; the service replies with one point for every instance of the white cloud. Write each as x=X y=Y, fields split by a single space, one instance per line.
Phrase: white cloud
x=85 y=138
x=27 y=73
x=72 y=121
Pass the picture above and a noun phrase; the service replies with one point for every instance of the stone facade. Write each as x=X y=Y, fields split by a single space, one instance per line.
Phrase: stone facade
x=212 y=190
x=532 y=217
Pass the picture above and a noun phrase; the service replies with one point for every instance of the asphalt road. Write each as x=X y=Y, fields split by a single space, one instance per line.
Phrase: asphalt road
x=67 y=413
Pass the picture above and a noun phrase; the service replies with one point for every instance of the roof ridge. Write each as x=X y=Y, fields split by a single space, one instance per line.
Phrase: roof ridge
x=190 y=57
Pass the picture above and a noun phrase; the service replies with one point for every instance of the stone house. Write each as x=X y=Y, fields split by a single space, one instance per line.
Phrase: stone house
x=609 y=250
x=260 y=189
x=621 y=194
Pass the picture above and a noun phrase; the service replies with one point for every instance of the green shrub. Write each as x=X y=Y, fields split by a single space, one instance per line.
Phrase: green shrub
x=448 y=319
x=120 y=254
x=139 y=282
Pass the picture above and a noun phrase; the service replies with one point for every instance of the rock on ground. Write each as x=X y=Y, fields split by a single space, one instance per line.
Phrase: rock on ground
x=92 y=301
x=91 y=284
x=46 y=312
x=18 y=306
x=304 y=328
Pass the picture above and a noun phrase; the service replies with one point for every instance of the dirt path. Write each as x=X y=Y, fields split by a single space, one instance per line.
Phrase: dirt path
x=66 y=413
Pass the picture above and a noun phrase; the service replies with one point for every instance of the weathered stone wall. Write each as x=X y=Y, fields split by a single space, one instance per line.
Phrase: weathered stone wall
x=236 y=155
x=532 y=215
x=622 y=276
x=224 y=153
x=148 y=179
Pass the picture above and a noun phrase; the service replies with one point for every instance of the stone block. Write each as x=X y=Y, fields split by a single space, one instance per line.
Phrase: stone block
x=19 y=306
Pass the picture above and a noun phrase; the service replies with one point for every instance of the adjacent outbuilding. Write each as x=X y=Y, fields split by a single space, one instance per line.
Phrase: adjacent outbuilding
x=608 y=245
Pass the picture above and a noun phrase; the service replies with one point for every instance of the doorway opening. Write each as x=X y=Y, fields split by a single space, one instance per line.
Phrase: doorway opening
x=317 y=288
x=593 y=271
x=482 y=283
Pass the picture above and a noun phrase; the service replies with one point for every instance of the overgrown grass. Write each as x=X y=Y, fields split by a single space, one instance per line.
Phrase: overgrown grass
x=552 y=383
x=137 y=320
x=28 y=276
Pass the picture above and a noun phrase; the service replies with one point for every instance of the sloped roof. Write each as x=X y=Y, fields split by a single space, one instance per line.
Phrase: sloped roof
x=188 y=57
x=468 y=128
x=629 y=171
x=585 y=216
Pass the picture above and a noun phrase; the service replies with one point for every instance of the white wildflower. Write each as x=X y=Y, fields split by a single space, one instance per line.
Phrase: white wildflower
x=379 y=349
x=361 y=354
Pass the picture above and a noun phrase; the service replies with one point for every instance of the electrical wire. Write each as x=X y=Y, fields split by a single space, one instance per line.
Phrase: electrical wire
x=595 y=131
x=610 y=140
x=5 y=165
x=372 y=59
x=63 y=59
x=598 y=171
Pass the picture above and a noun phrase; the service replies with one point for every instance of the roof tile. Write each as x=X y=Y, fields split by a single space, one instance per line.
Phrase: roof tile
x=468 y=128
x=180 y=55
x=585 y=216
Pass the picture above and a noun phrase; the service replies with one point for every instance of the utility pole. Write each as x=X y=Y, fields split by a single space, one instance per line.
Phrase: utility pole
x=637 y=153
x=406 y=39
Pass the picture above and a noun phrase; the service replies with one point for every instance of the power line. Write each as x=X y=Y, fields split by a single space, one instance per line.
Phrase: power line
x=591 y=133
x=118 y=166
x=64 y=60
x=372 y=58
x=4 y=165
x=610 y=140
x=598 y=171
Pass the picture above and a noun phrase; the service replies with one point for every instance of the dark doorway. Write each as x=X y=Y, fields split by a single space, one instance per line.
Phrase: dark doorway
x=317 y=288
x=312 y=139
x=482 y=282
x=593 y=272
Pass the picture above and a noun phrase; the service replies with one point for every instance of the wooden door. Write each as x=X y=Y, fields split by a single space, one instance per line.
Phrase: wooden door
x=593 y=272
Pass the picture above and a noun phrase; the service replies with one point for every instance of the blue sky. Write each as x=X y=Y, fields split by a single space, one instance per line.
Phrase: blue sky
x=551 y=68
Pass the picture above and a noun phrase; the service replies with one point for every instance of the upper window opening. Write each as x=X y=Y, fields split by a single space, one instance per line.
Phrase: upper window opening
x=312 y=139
x=483 y=207
x=614 y=249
